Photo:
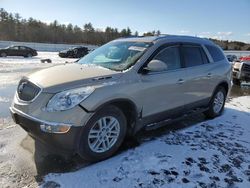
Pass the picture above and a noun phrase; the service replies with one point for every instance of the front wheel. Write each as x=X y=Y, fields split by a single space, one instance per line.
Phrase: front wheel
x=217 y=103
x=103 y=134
x=3 y=54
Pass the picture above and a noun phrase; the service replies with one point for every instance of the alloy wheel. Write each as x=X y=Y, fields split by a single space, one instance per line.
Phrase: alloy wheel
x=104 y=134
x=218 y=102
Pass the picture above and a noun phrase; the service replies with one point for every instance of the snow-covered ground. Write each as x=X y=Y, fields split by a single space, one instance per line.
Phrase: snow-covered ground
x=214 y=153
x=11 y=70
x=17 y=167
x=199 y=153
x=48 y=47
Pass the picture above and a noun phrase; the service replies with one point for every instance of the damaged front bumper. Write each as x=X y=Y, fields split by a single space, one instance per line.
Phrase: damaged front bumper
x=60 y=135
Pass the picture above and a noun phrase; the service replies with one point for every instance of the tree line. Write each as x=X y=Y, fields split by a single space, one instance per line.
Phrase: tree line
x=232 y=45
x=15 y=28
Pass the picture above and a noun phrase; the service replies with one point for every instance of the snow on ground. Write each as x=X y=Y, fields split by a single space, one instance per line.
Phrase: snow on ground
x=45 y=46
x=17 y=66
x=35 y=59
x=214 y=153
x=17 y=167
x=13 y=68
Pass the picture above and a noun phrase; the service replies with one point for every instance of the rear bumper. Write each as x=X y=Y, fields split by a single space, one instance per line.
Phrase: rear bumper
x=66 y=141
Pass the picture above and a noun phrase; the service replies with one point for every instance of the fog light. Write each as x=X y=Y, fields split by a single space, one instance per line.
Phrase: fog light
x=55 y=128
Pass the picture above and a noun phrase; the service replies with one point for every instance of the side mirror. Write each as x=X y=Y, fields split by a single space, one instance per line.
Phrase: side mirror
x=156 y=66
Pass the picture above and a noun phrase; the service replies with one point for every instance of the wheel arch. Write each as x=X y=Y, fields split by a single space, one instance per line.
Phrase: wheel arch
x=223 y=84
x=210 y=113
x=4 y=52
x=129 y=109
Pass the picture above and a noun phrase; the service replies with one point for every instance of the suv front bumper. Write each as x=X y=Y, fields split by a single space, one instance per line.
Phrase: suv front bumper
x=245 y=76
x=67 y=141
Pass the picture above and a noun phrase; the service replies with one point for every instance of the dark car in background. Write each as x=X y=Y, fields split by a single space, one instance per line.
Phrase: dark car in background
x=18 y=51
x=232 y=58
x=76 y=52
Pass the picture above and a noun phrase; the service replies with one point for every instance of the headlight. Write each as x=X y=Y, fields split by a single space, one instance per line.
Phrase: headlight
x=68 y=99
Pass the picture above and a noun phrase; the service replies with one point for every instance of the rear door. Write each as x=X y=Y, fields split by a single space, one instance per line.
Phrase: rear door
x=199 y=82
x=23 y=51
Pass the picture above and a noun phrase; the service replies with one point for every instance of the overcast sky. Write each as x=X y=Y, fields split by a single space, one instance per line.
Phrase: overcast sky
x=222 y=19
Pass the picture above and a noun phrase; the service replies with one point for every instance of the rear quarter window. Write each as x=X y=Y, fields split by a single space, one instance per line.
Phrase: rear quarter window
x=215 y=52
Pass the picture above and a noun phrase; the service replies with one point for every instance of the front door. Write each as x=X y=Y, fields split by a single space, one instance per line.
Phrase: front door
x=13 y=51
x=163 y=92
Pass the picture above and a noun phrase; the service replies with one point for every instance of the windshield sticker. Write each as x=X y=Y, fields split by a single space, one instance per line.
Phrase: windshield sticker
x=137 y=48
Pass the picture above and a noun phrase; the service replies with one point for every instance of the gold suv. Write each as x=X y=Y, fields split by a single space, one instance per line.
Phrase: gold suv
x=88 y=107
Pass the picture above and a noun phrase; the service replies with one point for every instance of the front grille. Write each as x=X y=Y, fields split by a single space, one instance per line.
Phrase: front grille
x=246 y=67
x=27 y=91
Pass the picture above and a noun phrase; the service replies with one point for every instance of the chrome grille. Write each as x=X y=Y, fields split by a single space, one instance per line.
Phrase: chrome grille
x=27 y=91
x=246 y=67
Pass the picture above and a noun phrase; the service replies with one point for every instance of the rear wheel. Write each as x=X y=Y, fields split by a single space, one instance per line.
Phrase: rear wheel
x=103 y=134
x=217 y=103
x=236 y=82
x=3 y=54
x=28 y=55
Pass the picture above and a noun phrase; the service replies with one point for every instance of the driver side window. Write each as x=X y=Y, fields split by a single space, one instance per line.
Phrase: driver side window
x=170 y=56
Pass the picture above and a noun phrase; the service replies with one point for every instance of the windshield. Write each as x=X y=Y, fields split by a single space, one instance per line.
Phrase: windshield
x=118 y=55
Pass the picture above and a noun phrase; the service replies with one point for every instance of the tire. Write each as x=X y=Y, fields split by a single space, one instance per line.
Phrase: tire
x=92 y=150
x=236 y=82
x=3 y=54
x=219 y=96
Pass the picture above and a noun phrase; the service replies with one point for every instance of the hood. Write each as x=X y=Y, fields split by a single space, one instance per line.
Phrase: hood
x=238 y=65
x=246 y=62
x=69 y=76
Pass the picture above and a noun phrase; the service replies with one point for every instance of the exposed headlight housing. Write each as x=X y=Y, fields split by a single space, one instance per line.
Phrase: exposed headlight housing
x=68 y=99
x=60 y=128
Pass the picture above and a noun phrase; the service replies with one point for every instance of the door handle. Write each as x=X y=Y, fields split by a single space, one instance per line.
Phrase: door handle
x=209 y=75
x=180 y=81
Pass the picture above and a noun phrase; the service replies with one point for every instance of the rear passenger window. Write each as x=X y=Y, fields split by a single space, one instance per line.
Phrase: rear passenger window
x=170 y=56
x=215 y=52
x=22 y=48
x=192 y=55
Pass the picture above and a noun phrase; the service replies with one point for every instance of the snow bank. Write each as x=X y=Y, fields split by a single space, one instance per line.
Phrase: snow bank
x=36 y=59
x=45 y=46
x=214 y=153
